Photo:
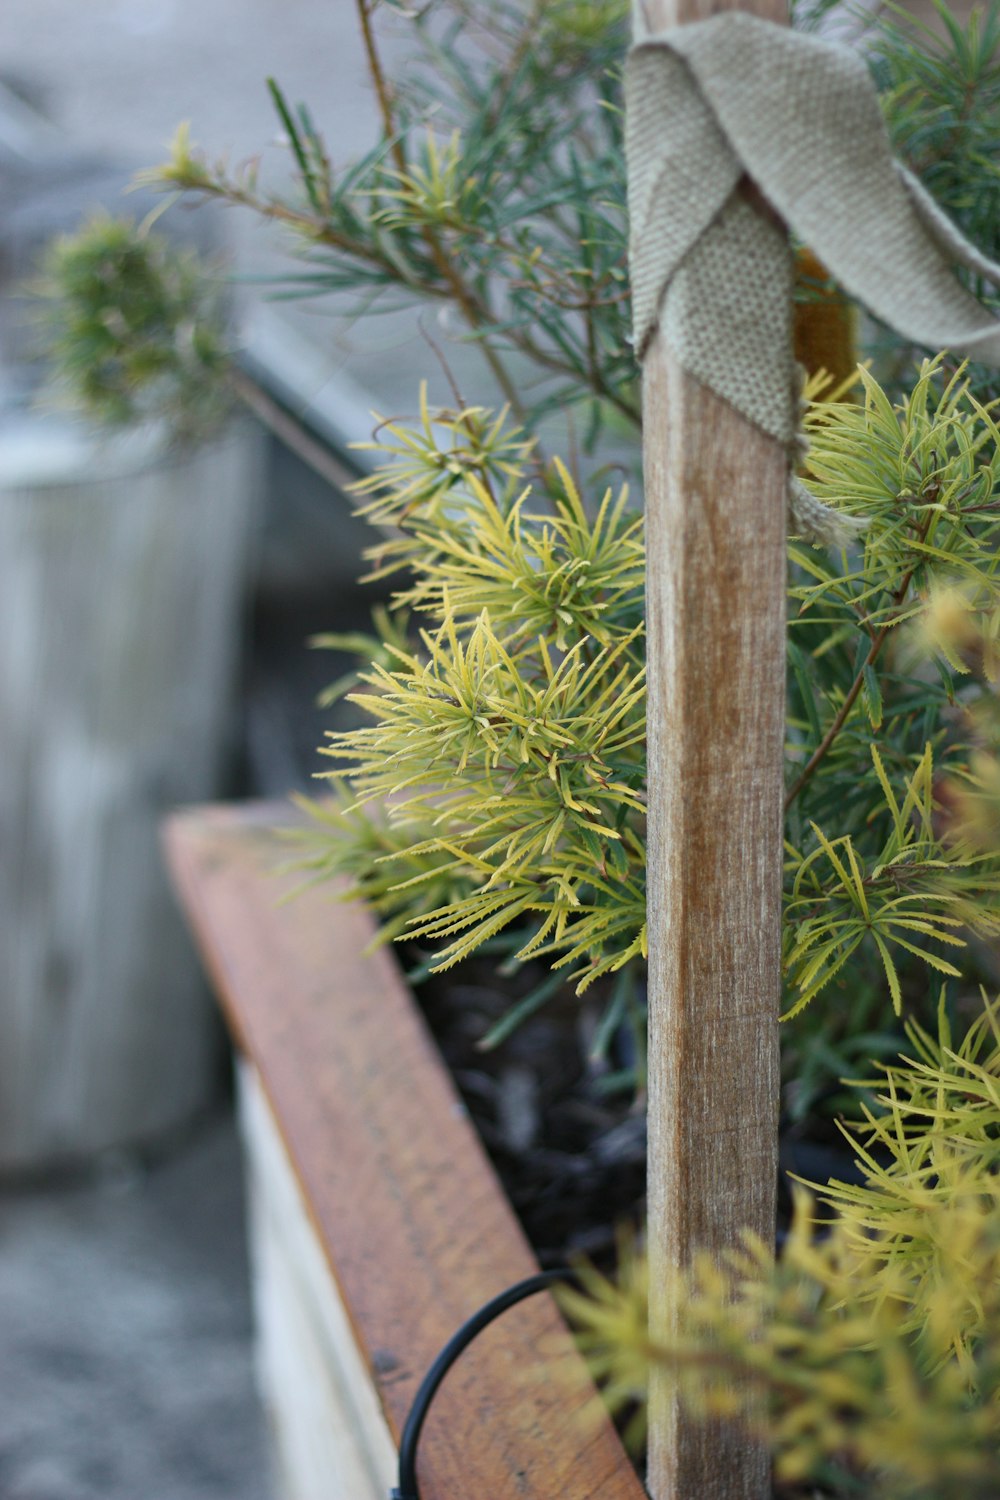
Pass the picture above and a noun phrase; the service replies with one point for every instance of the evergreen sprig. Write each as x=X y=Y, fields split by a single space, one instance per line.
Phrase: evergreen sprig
x=499 y=186
x=867 y=1358
x=916 y=896
x=880 y=717
x=511 y=739
x=508 y=734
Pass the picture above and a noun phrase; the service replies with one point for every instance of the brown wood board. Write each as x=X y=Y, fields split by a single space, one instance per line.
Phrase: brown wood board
x=413 y=1221
x=715 y=493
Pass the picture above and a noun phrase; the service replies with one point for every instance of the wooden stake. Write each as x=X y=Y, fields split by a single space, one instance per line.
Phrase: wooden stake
x=715 y=503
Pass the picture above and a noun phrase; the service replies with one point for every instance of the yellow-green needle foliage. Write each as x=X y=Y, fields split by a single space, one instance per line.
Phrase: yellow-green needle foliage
x=918 y=891
x=868 y=1355
x=932 y=1136
x=509 y=741
x=507 y=728
x=884 y=717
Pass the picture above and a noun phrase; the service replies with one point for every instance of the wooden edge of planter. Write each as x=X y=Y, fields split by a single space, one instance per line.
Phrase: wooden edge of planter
x=414 y=1225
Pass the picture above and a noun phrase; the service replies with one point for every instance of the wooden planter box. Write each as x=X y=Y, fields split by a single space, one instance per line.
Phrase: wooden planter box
x=377 y=1223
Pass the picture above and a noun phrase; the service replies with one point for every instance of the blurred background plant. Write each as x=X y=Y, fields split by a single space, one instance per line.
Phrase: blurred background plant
x=940 y=91
x=134 y=329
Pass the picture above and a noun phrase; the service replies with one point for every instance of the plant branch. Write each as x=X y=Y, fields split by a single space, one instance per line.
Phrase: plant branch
x=317 y=230
x=473 y=310
x=480 y=317
x=380 y=83
x=823 y=748
x=291 y=432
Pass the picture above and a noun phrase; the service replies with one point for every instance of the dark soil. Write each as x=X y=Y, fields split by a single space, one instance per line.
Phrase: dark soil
x=571 y=1155
x=572 y=1159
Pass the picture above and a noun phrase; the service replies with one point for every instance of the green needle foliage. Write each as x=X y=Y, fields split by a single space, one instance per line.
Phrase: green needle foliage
x=506 y=718
x=915 y=898
x=134 y=329
x=940 y=92
x=510 y=737
x=868 y=1357
x=499 y=187
x=872 y=726
x=507 y=732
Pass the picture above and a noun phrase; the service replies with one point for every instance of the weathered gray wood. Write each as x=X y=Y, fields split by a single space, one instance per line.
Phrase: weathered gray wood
x=120 y=592
x=715 y=503
x=330 y=1434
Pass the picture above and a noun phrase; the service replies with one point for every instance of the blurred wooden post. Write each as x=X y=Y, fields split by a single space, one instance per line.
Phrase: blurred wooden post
x=716 y=507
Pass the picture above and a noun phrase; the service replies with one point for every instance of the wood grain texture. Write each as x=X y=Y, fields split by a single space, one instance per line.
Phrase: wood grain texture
x=329 y=1431
x=121 y=588
x=414 y=1224
x=715 y=501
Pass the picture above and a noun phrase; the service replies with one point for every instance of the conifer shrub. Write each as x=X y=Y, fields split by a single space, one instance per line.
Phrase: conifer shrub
x=507 y=711
x=866 y=1354
x=508 y=728
x=495 y=795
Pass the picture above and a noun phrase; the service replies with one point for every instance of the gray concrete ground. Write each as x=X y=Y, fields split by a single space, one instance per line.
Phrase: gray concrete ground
x=125 y=1365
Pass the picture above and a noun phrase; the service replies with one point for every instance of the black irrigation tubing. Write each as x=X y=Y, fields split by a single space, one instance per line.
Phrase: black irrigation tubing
x=407 y=1488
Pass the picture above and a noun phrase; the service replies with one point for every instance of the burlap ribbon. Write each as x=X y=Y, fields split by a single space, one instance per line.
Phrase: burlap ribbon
x=711 y=104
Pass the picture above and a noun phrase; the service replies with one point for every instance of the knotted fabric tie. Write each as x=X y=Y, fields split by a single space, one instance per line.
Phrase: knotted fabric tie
x=715 y=102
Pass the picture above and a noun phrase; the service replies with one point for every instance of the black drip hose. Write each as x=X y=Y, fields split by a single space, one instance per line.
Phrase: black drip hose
x=407 y=1489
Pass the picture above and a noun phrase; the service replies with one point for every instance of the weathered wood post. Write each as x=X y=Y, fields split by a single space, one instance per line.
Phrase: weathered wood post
x=715 y=490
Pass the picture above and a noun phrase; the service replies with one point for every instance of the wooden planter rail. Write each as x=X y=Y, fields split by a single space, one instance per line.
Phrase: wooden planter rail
x=378 y=1223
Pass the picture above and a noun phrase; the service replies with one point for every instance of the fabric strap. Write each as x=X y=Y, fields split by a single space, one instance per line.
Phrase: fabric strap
x=713 y=103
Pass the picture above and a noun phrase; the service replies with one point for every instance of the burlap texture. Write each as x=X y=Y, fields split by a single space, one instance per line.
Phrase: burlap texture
x=710 y=103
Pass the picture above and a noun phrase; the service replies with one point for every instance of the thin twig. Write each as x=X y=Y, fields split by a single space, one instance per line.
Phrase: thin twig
x=473 y=310
x=822 y=749
x=381 y=85
x=291 y=432
x=820 y=753
x=317 y=231
x=439 y=354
